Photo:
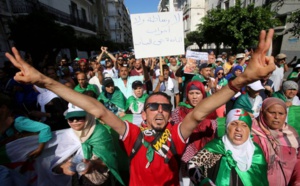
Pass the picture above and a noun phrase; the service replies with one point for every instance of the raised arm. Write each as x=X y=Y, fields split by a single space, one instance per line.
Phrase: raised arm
x=28 y=74
x=259 y=67
x=101 y=54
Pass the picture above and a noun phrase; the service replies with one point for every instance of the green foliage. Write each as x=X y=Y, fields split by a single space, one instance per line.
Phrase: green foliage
x=237 y=27
x=295 y=18
x=196 y=37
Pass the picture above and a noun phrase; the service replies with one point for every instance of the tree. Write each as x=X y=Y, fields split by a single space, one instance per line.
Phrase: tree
x=295 y=18
x=196 y=37
x=39 y=35
x=237 y=27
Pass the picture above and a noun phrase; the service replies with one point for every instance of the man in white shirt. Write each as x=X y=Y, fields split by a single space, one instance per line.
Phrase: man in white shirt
x=278 y=73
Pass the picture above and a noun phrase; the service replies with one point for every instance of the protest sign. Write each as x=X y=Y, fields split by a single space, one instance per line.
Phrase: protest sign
x=157 y=34
x=201 y=56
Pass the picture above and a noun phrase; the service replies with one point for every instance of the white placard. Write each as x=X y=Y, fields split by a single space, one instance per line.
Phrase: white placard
x=202 y=56
x=157 y=34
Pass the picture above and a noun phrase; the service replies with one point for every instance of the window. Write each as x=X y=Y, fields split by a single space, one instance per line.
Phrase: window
x=226 y=3
x=83 y=15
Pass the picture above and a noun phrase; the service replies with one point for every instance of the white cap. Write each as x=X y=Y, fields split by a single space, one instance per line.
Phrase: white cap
x=297 y=66
x=219 y=59
x=240 y=55
x=256 y=86
x=74 y=111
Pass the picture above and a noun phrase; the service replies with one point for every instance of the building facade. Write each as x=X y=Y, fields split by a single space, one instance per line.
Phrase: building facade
x=108 y=19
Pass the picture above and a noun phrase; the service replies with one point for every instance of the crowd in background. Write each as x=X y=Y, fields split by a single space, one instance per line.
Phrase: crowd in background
x=122 y=84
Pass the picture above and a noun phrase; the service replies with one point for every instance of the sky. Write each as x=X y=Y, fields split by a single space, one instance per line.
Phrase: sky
x=141 y=6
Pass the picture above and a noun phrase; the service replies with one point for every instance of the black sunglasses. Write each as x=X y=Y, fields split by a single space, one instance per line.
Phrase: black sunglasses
x=76 y=118
x=220 y=73
x=154 y=106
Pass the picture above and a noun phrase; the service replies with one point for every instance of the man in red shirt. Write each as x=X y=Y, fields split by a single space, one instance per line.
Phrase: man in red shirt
x=154 y=163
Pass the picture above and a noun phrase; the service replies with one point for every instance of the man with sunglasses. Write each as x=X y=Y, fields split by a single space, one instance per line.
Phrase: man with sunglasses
x=154 y=162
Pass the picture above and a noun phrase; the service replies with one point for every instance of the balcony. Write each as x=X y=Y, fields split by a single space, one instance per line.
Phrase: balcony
x=26 y=7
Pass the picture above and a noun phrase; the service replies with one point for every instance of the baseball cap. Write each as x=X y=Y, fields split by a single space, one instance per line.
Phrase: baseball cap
x=136 y=84
x=74 y=111
x=280 y=56
x=107 y=81
x=256 y=86
x=205 y=65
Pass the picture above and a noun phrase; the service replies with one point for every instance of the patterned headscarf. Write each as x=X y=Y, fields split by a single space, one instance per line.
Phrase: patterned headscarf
x=271 y=139
x=239 y=114
x=242 y=153
x=288 y=85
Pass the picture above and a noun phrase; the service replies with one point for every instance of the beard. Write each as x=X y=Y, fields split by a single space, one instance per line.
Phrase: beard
x=173 y=68
x=159 y=129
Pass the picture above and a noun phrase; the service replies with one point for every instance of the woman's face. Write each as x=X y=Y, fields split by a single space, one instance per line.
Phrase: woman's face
x=77 y=123
x=194 y=97
x=238 y=132
x=237 y=72
x=275 y=116
x=138 y=91
x=110 y=88
x=220 y=74
x=291 y=93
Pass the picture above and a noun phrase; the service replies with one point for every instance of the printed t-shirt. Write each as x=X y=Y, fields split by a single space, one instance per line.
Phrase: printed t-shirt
x=158 y=173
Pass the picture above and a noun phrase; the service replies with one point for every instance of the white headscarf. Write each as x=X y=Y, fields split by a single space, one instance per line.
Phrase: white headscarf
x=44 y=97
x=243 y=153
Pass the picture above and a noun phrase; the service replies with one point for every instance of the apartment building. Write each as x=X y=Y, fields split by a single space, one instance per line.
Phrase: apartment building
x=108 y=19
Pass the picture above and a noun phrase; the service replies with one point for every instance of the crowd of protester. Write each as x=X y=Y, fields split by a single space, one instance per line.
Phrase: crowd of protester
x=224 y=123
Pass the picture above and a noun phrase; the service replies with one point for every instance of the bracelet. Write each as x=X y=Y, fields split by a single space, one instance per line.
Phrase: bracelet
x=232 y=87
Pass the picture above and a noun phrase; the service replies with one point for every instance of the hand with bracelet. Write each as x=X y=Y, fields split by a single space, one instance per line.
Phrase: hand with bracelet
x=260 y=64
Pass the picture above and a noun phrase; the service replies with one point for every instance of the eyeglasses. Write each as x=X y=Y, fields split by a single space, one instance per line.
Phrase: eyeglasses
x=76 y=118
x=154 y=106
x=219 y=73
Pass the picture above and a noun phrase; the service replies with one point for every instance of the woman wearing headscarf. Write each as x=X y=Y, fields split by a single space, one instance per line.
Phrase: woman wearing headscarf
x=87 y=145
x=236 y=71
x=233 y=159
x=204 y=132
x=288 y=94
x=112 y=97
x=279 y=142
x=220 y=77
x=222 y=81
x=51 y=107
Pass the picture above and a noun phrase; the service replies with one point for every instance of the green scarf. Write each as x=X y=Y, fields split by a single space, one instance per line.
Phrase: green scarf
x=132 y=100
x=256 y=175
x=280 y=95
x=117 y=98
x=89 y=87
x=101 y=144
x=243 y=102
x=184 y=104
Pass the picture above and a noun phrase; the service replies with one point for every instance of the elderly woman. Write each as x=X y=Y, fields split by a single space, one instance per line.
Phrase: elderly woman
x=233 y=159
x=280 y=143
x=288 y=93
x=205 y=131
x=88 y=142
